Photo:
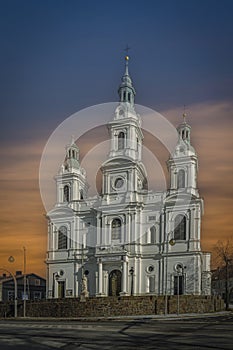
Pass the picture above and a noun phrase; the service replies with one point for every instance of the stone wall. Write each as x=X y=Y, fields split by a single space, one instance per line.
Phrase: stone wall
x=114 y=306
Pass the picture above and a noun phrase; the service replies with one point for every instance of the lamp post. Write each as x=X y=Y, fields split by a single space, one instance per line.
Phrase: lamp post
x=131 y=271
x=24 y=282
x=171 y=242
x=16 y=290
x=179 y=269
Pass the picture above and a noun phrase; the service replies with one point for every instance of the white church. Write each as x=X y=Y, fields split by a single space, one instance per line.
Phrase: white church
x=127 y=240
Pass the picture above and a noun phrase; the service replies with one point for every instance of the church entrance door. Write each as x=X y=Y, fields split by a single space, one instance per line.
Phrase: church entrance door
x=61 y=289
x=115 y=283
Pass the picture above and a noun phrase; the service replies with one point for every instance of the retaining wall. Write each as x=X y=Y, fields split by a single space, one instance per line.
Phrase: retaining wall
x=114 y=306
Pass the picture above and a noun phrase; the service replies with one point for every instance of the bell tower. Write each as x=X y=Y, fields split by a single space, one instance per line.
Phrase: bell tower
x=123 y=171
x=71 y=178
x=183 y=163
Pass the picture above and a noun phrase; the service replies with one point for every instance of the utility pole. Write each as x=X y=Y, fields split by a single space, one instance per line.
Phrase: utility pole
x=24 y=282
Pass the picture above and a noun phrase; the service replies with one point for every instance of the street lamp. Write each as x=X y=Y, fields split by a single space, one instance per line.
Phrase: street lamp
x=24 y=282
x=180 y=272
x=131 y=271
x=16 y=290
x=171 y=242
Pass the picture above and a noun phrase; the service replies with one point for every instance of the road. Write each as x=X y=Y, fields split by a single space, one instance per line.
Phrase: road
x=187 y=333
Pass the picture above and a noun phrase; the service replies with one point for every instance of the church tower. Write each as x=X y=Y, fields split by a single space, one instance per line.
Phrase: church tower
x=71 y=179
x=183 y=164
x=123 y=171
x=183 y=209
x=66 y=231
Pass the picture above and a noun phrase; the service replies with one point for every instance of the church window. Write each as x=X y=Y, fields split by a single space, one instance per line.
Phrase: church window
x=187 y=134
x=182 y=134
x=153 y=234
x=121 y=140
x=62 y=238
x=124 y=96
x=116 y=229
x=66 y=193
x=179 y=285
x=180 y=228
x=129 y=96
x=73 y=154
x=152 y=284
x=181 y=179
x=81 y=194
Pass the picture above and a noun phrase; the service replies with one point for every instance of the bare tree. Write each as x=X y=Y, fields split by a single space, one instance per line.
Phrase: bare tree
x=224 y=257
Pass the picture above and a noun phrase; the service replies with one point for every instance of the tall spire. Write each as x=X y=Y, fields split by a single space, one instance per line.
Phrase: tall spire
x=126 y=90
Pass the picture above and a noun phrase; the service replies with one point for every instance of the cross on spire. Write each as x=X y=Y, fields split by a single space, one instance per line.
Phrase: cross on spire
x=127 y=49
x=184 y=114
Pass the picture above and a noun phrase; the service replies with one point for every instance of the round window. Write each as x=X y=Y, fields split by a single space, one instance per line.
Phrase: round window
x=119 y=182
x=150 y=268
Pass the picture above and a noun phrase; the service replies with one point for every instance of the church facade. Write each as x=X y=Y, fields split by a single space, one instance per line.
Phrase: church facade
x=127 y=240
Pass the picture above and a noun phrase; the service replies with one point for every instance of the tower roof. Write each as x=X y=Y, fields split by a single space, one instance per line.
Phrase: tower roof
x=184 y=146
x=126 y=89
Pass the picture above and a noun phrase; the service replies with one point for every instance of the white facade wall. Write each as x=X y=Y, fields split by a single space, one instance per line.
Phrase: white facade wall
x=149 y=255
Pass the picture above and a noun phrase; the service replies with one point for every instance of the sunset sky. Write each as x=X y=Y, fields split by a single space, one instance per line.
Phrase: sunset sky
x=58 y=57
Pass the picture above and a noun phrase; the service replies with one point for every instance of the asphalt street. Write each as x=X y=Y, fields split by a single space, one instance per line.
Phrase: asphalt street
x=155 y=333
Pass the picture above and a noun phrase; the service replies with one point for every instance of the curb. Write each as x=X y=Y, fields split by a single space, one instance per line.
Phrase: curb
x=117 y=318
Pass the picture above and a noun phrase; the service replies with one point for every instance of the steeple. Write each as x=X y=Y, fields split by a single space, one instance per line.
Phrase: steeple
x=126 y=90
x=184 y=130
x=72 y=156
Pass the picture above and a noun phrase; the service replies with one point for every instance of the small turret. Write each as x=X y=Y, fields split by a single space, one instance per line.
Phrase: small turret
x=72 y=156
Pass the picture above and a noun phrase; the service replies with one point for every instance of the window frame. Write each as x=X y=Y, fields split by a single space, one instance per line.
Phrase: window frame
x=180 y=228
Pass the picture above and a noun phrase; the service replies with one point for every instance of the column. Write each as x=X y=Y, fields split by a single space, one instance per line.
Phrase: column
x=147 y=284
x=100 y=285
x=124 y=277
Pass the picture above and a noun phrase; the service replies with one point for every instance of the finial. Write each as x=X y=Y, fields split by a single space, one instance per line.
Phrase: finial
x=72 y=140
x=184 y=114
x=126 y=59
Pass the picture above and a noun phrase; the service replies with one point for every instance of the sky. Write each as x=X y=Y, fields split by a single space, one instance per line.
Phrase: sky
x=58 y=57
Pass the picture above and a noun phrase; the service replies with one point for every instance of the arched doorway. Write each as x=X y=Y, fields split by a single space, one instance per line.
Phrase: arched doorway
x=114 y=283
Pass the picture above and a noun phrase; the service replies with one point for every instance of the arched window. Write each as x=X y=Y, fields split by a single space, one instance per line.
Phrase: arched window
x=181 y=179
x=116 y=229
x=66 y=193
x=81 y=194
x=129 y=96
x=62 y=238
x=124 y=96
x=121 y=140
x=180 y=228
x=153 y=234
x=152 y=284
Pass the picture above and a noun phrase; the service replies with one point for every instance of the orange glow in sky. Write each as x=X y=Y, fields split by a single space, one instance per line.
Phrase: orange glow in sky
x=22 y=214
